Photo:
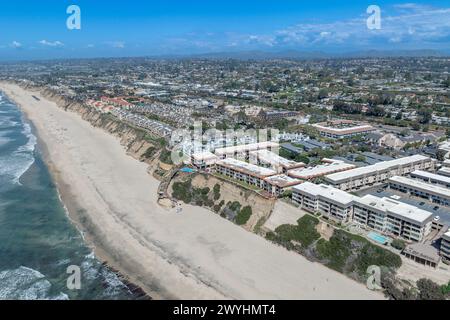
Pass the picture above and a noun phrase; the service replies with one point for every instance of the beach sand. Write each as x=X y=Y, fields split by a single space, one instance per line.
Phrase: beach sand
x=192 y=255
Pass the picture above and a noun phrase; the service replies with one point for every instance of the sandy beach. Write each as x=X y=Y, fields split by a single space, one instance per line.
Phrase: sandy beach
x=192 y=255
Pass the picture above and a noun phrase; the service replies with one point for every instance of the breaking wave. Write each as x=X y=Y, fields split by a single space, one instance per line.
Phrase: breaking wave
x=26 y=284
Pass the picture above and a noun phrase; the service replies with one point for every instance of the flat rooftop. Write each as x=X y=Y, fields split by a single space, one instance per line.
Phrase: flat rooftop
x=325 y=191
x=397 y=208
x=246 y=168
x=422 y=186
x=424 y=251
x=377 y=167
x=246 y=147
x=444 y=171
x=431 y=176
x=282 y=181
x=342 y=127
x=204 y=155
x=446 y=235
x=320 y=170
x=275 y=160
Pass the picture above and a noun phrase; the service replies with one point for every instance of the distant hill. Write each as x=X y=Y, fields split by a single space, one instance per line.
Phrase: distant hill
x=294 y=54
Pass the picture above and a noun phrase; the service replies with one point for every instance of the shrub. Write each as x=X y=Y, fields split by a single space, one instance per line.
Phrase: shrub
x=304 y=232
x=216 y=191
x=428 y=290
x=398 y=244
x=243 y=216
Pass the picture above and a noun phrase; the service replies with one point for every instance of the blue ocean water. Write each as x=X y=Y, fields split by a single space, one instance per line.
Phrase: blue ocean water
x=37 y=240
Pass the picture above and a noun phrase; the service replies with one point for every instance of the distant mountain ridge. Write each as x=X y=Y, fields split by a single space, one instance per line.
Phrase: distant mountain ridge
x=295 y=54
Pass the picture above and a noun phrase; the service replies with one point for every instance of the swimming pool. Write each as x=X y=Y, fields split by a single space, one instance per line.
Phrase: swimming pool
x=187 y=170
x=377 y=237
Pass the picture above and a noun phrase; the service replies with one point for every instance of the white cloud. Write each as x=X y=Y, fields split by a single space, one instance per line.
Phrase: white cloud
x=117 y=44
x=15 y=44
x=51 y=43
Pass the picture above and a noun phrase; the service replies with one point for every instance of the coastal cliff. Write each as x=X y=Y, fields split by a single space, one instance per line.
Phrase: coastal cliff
x=138 y=143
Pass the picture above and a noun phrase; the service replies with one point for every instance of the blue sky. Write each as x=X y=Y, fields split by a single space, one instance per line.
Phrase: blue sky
x=37 y=29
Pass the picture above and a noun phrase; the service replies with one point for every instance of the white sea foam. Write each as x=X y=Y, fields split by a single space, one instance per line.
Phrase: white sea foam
x=114 y=284
x=15 y=164
x=25 y=284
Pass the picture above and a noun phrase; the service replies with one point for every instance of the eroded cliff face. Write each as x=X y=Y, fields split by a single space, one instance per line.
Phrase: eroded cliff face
x=137 y=142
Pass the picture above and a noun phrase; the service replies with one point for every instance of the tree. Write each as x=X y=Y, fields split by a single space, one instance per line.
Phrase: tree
x=323 y=93
x=428 y=290
x=425 y=115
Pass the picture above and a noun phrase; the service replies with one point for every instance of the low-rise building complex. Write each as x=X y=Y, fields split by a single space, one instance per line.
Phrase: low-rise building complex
x=379 y=173
x=417 y=188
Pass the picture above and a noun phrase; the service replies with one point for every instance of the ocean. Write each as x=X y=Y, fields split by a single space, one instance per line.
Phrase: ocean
x=37 y=240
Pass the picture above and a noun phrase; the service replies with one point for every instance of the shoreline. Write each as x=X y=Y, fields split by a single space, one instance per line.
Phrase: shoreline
x=202 y=283
x=71 y=205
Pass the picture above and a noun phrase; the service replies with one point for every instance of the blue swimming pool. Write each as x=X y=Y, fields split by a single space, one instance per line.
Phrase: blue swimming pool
x=377 y=237
x=187 y=170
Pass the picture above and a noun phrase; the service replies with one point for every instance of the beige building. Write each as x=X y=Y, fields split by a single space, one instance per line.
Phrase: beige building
x=340 y=129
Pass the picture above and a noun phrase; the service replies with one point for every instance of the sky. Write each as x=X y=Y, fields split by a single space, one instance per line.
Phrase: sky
x=38 y=29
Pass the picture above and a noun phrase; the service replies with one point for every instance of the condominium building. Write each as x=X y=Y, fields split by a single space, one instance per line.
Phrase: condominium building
x=330 y=166
x=340 y=129
x=242 y=151
x=270 y=159
x=445 y=247
x=243 y=171
x=329 y=201
x=417 y=188
x=392 y=217
x=446 y=163
x=278 y=184
x=444 y=171
x=204 y=159
x=432 y=178
x=379 y=173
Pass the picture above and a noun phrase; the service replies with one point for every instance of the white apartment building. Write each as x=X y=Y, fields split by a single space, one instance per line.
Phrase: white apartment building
x=445 y=247
x=270 y=159
x=379 y=173
x=330 y=166
x=242 y=151
x=243 y=171
x=417 y=188
x=432 y=178
x=204 y=159
x=331 y=202
x=340 y=129
x=444 y=171
x=392 y=217
x=278 y=184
